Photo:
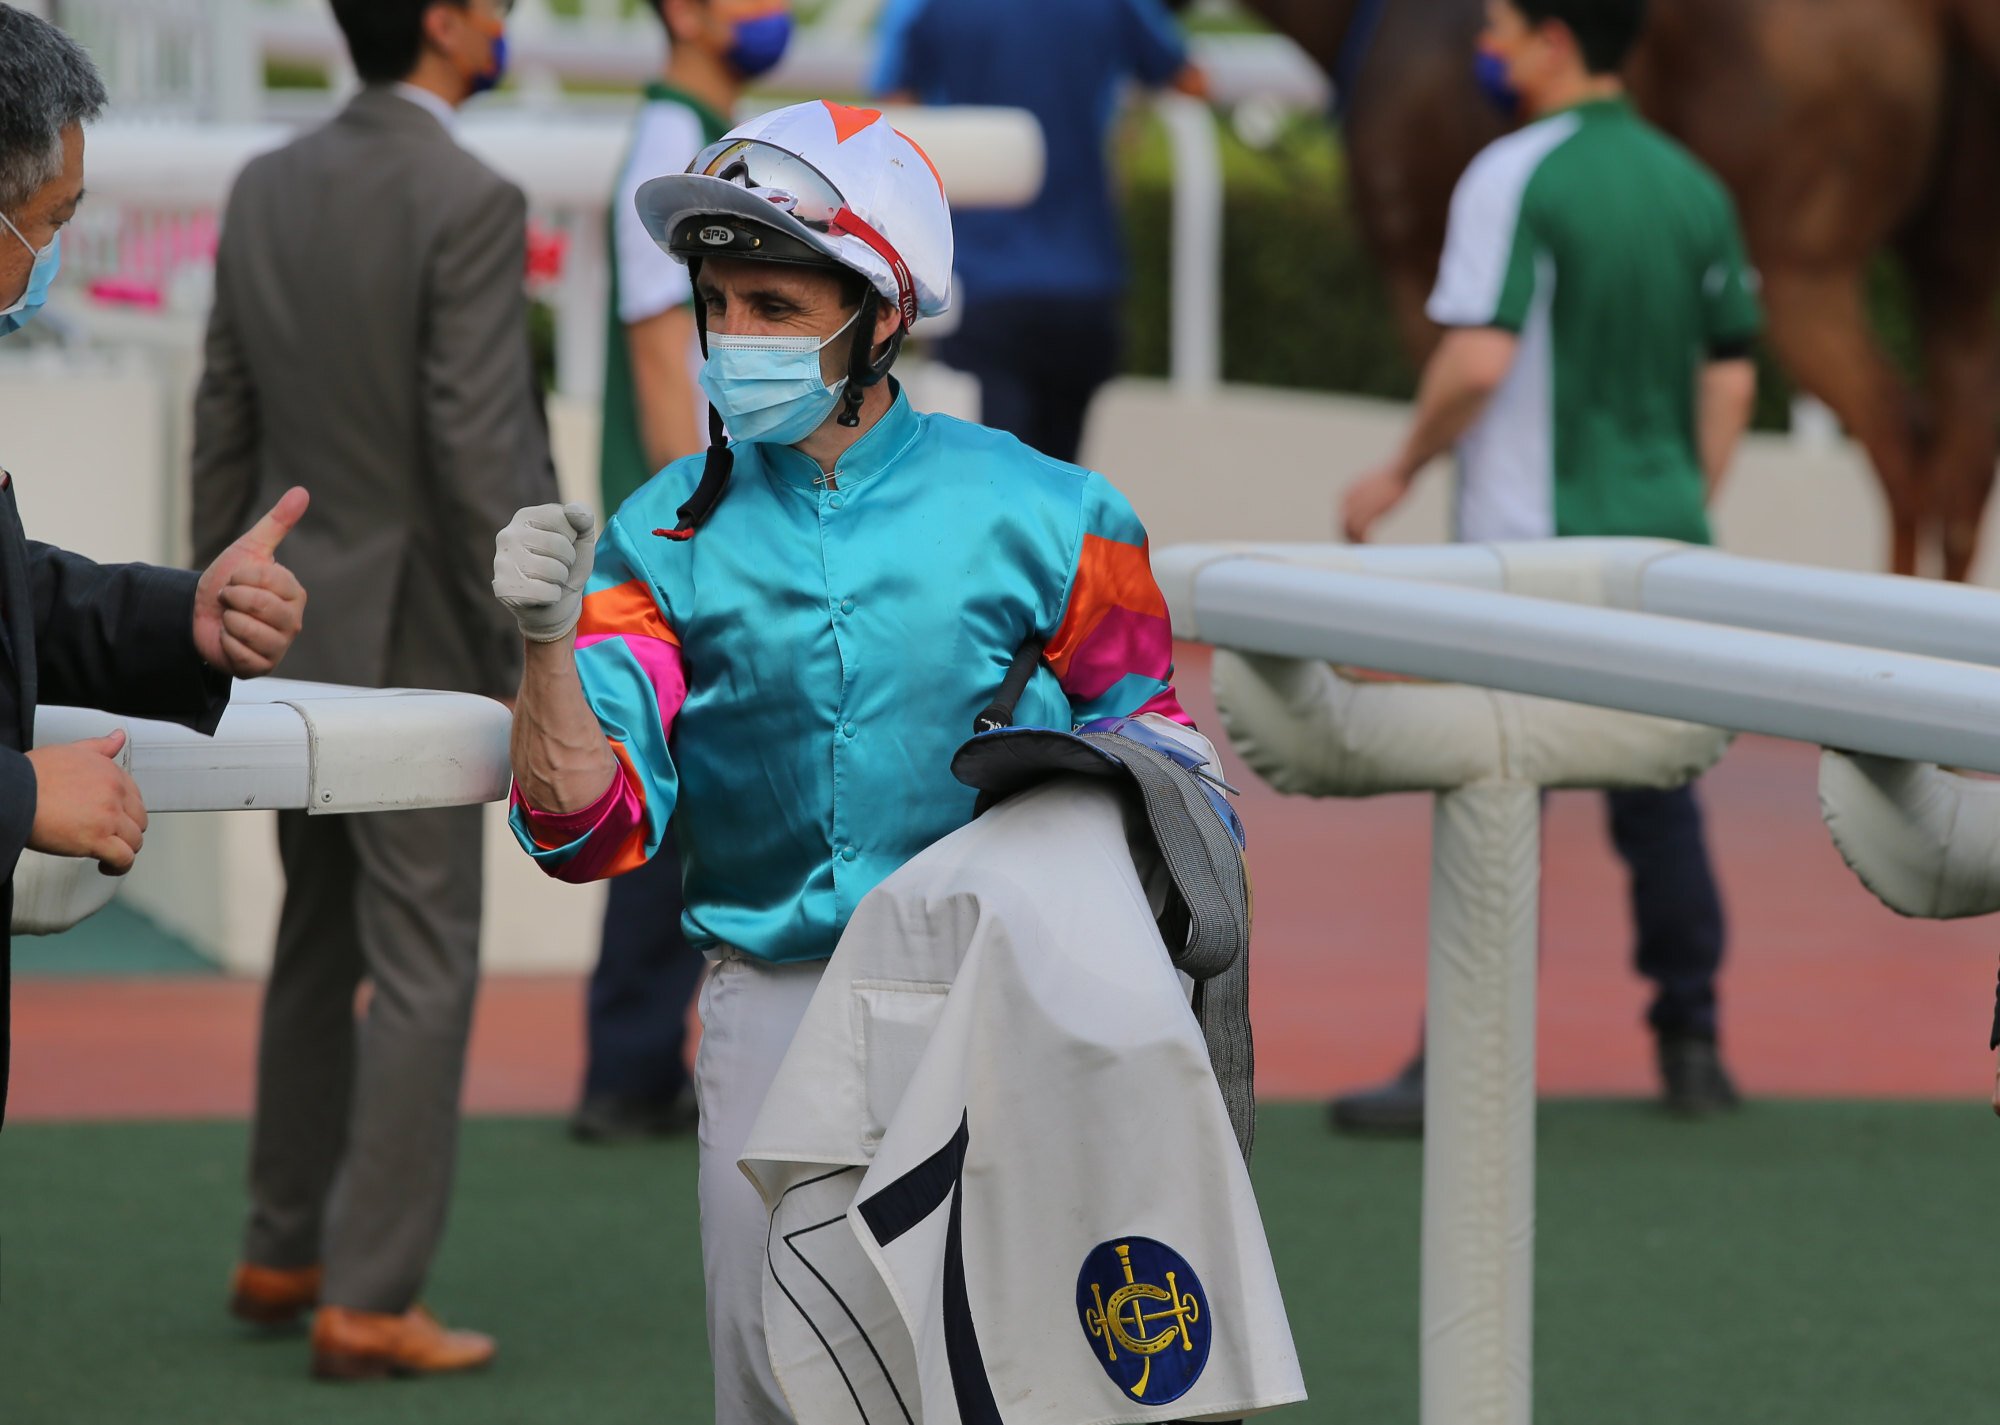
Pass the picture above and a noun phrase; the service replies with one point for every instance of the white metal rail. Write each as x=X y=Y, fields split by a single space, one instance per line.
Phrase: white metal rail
x=203 y=60
x=566 y=163
x=1685 y=581
x=318 y=747
x=1835 y=695
x=1463 y=614
x=282 y=745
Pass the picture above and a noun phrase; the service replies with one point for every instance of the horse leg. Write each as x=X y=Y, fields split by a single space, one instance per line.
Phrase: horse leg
x=1409 y=290
x=1978 y=23
x=1820 y=330
x=1953 y=256
x=1962 y=364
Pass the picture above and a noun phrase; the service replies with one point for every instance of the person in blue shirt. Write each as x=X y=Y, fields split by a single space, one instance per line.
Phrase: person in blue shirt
x=1041 y=284
x=779 y=645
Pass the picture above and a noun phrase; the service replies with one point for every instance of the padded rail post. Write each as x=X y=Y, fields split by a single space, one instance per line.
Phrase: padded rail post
x=1479 y=1114
x=1307 y=729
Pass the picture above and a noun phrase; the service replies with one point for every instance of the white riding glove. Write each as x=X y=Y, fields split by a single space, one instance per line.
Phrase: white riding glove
x=541 y=562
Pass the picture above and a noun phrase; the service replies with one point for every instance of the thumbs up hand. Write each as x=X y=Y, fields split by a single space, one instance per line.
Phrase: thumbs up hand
x=248 y=607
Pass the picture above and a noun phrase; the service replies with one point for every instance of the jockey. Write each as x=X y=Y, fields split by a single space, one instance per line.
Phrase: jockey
x=781 y=643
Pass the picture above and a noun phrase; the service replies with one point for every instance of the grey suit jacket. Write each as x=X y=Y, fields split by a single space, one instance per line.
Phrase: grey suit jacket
x=369 y=341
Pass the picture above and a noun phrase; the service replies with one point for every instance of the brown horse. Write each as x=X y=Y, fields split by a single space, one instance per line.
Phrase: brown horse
x=1843 y=127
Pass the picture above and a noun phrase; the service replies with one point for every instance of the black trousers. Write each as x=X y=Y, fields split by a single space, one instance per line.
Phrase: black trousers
x=1039 y=360
x=1676 y=909
x=645 y=979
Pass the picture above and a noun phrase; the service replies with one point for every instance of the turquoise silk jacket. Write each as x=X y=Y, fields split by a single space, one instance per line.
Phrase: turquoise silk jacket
x=790 y=683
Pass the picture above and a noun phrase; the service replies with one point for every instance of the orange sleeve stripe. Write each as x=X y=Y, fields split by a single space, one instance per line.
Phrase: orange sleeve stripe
x=626 y=608
x=1109 y=575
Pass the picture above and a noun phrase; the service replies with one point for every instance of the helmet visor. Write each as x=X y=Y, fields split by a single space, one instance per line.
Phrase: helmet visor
x=790 y=184
x=782 y=179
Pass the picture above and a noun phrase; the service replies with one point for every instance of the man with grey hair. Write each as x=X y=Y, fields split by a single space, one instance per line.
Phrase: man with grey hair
x=129 y=639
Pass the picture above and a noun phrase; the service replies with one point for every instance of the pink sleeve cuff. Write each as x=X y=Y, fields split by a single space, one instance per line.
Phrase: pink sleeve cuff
x=559 y=828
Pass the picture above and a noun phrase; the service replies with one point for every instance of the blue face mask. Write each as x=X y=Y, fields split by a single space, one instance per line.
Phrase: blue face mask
x=769 y=388
x=492 y=77
x=40 y=276
x=760 y=44
x=1491 y=72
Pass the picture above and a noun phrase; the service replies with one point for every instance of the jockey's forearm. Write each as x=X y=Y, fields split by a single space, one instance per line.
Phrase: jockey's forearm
x=562 y=762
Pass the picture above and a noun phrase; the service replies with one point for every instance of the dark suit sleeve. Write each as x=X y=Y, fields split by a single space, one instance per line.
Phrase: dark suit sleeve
x=482 y=415
x=120 y=637
x=17 y=808
x=225 y=425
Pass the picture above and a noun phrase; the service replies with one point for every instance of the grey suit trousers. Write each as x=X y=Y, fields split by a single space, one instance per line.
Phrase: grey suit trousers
x=356 y=1134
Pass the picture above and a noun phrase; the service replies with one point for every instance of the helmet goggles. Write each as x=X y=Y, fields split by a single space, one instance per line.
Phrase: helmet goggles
x=797 y=189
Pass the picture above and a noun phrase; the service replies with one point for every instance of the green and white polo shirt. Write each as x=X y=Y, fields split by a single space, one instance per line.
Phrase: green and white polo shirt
x=1616 y=258
x=671 y=129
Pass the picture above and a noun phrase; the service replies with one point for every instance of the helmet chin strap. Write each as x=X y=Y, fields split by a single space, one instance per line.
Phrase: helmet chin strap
x=720 y=462
x=864 y=370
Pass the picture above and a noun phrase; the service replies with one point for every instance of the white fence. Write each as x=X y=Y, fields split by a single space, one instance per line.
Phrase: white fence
x=282 y=744
x=203 y=60
x=1638 y=626
x=152 y=243
x=1431 y=613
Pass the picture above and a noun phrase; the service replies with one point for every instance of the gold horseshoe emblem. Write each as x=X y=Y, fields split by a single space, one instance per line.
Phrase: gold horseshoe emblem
x=1124 y=1321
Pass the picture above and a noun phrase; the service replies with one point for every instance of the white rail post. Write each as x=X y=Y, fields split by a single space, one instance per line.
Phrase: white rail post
x=235 y=63
x=1195 y=301
x=531 y=26
x=1308 y=730
x=585 y=288
x=1478 y=1297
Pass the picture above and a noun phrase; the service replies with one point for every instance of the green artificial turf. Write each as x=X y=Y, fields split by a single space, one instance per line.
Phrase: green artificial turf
x=1823 y=1263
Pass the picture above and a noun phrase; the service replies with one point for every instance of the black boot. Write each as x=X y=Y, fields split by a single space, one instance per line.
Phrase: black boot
x=1393 y=1109
x=1693 y=1082
x=604 y=1119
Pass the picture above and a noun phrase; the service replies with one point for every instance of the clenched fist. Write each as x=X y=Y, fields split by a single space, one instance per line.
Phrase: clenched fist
x=86 y=804
x=541 y=562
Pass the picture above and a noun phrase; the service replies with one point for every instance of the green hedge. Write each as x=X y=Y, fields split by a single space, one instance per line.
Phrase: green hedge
x=1303 y=306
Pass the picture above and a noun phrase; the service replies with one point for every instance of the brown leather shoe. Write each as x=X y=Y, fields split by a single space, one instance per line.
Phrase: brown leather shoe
x=273 y=1296
x=368 y=1345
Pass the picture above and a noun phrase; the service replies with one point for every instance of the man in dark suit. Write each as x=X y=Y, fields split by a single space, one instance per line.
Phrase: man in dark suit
x=130 y=638
x=369 y=341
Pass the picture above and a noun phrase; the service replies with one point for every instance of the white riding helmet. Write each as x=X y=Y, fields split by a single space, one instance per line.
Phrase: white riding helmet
x=843 y=183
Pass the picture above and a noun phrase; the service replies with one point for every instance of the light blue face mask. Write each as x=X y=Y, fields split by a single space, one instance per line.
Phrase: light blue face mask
x=769 y=388
x=40 y=276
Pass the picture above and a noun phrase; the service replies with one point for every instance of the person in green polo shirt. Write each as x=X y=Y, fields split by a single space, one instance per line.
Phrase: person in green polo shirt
x=1595 y=375
x=636 y=1081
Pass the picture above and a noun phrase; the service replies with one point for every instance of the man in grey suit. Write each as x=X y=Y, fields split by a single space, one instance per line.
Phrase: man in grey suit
x=368 y=341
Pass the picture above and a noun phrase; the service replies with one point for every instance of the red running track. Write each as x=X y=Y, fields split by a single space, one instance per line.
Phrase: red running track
x=1825 y=994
